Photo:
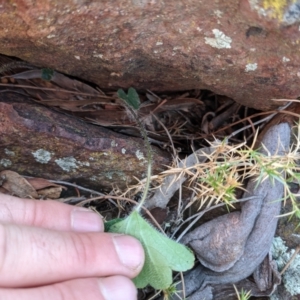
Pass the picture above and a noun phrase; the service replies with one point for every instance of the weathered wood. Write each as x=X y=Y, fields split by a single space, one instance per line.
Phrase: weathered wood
x=231 y=247
x=38 y=141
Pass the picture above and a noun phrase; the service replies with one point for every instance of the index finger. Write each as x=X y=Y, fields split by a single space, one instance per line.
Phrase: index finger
x=48 y=214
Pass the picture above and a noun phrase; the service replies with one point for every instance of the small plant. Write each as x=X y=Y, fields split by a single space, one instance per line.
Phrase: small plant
x=242 y=295
x=227 y=166
x=170 y=292
x=162 y=255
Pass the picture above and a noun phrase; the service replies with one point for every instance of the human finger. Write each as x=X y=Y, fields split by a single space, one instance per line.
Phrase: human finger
x=37 y=256
x=48 y=214
x=110 y=288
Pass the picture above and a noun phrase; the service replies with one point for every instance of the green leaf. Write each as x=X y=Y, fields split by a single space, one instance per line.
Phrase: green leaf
x=110 y=223
x=132 y=99
x=122 y=94
x=47 y=74
x=162 y=255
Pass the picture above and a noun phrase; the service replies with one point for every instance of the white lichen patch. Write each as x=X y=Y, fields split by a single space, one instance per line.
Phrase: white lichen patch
x=67 y=163
x=93 y=178
x=123 y=150
x=291 y=277
x=84 y=163
x=220 y=40
x=139 y=155
x=141 y=3
x=119 y=174
x=113 y=143
x=285 y=59
x=70 y=163
x=8 y=152
x=255 y=5
x=98 y=56
x=292 y=13
x=5 y=162
x=109 y=175
x=115 y=74
x=218 y=13
x=42 y=156
x=251 y=67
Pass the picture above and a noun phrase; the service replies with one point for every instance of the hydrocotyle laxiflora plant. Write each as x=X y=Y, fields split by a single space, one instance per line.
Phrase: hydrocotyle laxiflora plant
x=162 y=254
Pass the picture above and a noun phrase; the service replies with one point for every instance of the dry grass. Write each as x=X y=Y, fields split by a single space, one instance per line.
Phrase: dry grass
x=217 y=179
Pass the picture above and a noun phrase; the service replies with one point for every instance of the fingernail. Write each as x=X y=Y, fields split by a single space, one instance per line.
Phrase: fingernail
x=130 y=251
x=84 y=220
x=117 y=288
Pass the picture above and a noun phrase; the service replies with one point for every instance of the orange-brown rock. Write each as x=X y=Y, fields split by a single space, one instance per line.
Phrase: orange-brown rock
x=247 y=50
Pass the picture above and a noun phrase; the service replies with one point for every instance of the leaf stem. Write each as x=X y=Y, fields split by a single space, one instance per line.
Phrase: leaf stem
x=149 y=155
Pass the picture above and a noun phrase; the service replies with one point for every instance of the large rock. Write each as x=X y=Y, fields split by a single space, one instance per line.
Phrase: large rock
x=40 y=142
x=247 y=50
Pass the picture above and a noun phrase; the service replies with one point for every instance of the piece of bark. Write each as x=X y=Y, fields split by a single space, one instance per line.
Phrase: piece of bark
x=213 y=245
x=172 y=183
x=227 y=291
x=17 y=185
x=40 y=142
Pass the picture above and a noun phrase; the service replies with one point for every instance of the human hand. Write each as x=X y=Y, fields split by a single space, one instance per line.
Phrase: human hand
x=50 y=250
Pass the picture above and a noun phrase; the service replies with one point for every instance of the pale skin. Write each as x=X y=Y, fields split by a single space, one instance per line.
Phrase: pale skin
x=50 y=250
